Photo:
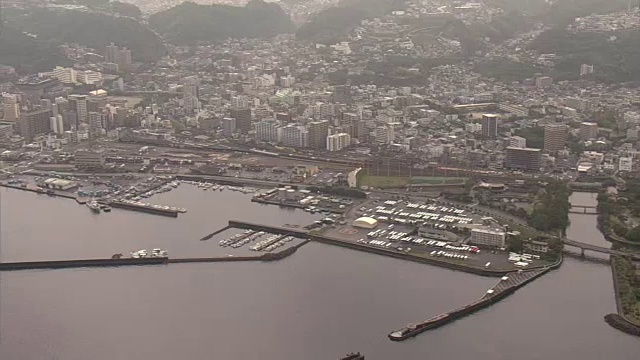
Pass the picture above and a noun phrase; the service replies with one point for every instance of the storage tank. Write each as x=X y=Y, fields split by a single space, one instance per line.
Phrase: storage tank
x=282 y=193
x=291 y=194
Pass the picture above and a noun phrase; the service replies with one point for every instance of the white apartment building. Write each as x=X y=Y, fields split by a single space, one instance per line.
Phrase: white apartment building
x=57 y=124
x=337 y=142
x=11 y=107
x=517 y=141
x=65 y=75
x=488 y=237
x=89 y=77
x=625 y=164
x=266 y=130
x=384 y=135
x=293 y=136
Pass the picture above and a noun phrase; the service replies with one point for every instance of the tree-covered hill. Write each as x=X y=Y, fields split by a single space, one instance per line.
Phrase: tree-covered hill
x=190 y=23
x=90 y=29
x=28 y=54
x=334 y=23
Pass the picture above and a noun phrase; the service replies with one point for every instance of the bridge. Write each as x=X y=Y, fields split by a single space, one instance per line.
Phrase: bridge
x=583 y=246
x=584 y=209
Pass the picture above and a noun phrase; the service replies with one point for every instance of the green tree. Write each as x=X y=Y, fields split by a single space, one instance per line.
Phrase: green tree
x=634 y=234
x=178 y=126
x=514 y=244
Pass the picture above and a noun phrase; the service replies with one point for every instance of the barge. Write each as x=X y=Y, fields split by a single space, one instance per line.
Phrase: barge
x=148 y=208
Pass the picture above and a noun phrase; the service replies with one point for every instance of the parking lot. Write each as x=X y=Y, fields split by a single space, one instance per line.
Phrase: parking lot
x=397 y=229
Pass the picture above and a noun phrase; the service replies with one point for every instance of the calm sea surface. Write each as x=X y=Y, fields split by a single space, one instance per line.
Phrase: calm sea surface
x=318 y=304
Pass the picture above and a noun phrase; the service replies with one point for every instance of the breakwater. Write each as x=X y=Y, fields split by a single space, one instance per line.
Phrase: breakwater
x=64 y=264
x=506 y=286
x=89 y=263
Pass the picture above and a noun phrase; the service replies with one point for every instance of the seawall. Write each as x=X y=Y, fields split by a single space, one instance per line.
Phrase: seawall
x=619 y=320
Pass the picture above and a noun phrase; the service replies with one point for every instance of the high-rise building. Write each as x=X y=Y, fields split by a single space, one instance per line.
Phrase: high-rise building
x=57 y=125
x=287 y=81
x=121 y=57
x=543 y=81
x=78 y=103
x=35 y=122
x=124 y=58
x=229 y=126
x=240 y=102
x=318 y=131
x=243 y=119
x=518 y=141
x=384 y=135
x=523 y=159
x=337 y=142
x=266 y=130
x=588 y=130
x=293 y=136
x=111 y=55
x=555 y=136
x=353 y=120
x=11 y=107
x=96 y=124
x=489 y=126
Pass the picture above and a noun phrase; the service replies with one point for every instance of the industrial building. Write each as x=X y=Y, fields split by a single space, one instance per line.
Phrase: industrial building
x=89 y=159
x=59 y=184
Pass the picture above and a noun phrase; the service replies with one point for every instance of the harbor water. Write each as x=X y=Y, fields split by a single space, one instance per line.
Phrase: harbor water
x=320 y=303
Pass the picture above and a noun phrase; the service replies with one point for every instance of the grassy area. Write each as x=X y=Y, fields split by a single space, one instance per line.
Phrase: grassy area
x=382 y=182
x=401 y=181
x=430 y=180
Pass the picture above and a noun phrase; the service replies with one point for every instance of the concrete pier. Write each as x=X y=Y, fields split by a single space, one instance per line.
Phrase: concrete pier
x=208 y=237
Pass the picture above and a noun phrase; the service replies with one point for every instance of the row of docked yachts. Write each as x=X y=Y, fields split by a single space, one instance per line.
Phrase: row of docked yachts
x=271 y=243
